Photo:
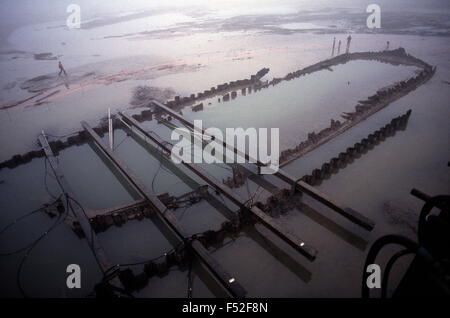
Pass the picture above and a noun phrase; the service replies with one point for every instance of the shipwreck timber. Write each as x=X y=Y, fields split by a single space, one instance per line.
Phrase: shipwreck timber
x=277 y=229
x=77 y=210
x=363 y=110
x=299 y=185
x=159 y=205
x=335 y=163
x=166 y=217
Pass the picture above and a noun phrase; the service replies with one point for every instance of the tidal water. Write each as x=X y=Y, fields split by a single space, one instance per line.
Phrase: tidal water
x=377 y=184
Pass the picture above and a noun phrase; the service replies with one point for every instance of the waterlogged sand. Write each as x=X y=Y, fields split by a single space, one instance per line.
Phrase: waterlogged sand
x=185 y=51
x=189 y=52
x=92 y=88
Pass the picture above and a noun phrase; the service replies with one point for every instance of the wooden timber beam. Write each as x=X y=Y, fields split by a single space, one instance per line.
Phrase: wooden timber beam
x=286 y=235
x=224 y=278
x=299 y=185
x=80 y=215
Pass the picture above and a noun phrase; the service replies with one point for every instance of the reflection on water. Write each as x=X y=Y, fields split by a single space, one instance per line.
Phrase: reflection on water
x=265 y=266
x=305 y=104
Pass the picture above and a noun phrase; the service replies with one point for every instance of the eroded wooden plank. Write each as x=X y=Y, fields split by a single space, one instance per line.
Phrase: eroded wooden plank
x=167 y=218
x=287 y=236
x=82 y=219
x=336 y=206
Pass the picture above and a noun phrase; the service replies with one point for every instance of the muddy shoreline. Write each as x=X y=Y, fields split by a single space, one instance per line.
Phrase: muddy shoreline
x=254 y=84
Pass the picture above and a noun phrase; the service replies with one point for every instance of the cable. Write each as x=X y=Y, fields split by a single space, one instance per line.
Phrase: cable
x=30 y=247
x=113 y=271
x=126 y=137
x=70 y=207
x=172 y=185
x=19 y=219
x=248 y=189
x=184 y=211
x=387 y=270
x=85 y=215
x=410 y=245
x=143 y=262
x=251 y=199
x=35 y=243
x=155 y=175
x=411 y=248
x=91 y=241
x=256 y=192
x=160 y=161
x=108 y=275
x=160 y=165
x=45 y=179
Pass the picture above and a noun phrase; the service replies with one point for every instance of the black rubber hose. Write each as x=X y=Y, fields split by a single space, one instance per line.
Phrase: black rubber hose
x=376 y=247
x=387 y=270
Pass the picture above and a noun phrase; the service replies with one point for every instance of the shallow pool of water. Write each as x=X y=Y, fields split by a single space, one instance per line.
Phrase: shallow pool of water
x=305 y=104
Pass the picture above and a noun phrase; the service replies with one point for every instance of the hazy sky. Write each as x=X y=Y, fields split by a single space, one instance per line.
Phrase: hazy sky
x=44 y=10
x=15 y=13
